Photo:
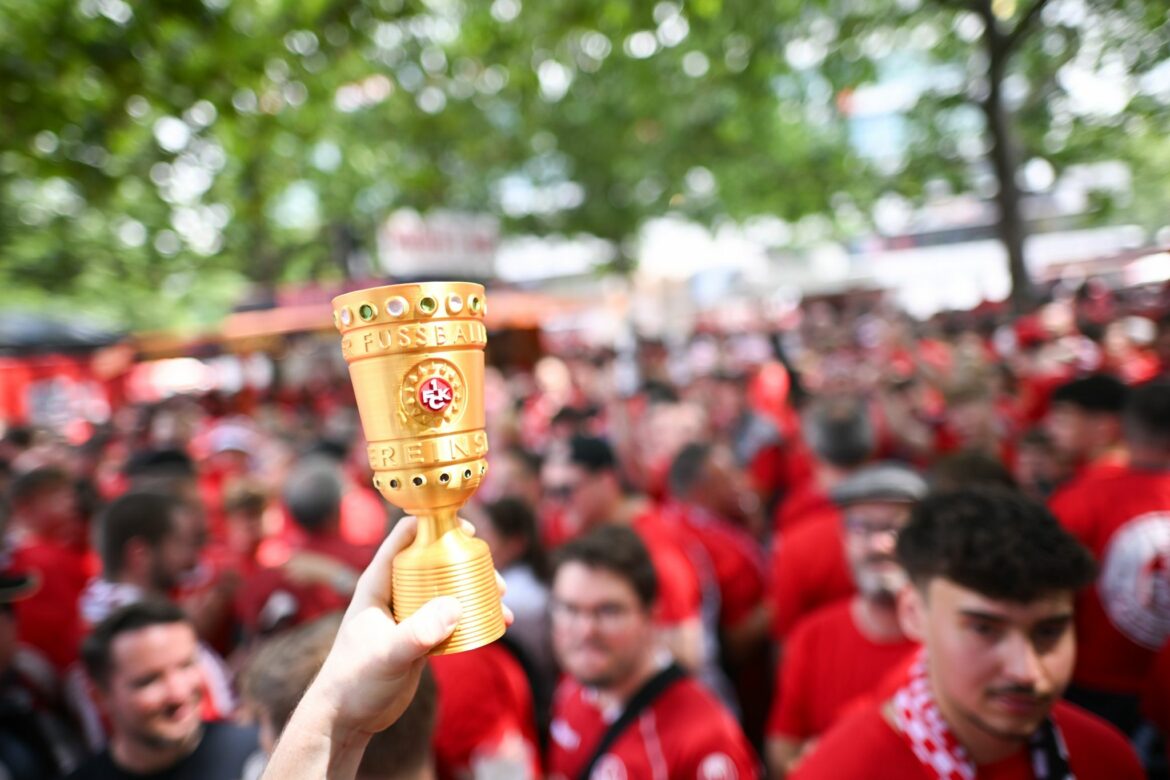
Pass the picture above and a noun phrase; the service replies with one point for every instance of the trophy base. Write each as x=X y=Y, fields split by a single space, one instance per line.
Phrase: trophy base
x=458 y=565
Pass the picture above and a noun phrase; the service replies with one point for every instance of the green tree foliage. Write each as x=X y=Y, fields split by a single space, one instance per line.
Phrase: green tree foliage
x=156 y=159
x=1005 y=83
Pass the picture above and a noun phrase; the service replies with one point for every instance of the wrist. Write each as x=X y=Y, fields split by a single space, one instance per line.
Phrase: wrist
x=321 y=714
x=316 y=744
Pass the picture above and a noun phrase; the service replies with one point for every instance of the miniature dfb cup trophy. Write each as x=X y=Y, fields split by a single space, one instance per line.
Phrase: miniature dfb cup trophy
x=416 y=359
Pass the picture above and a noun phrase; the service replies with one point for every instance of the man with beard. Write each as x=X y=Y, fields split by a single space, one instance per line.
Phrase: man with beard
x=993 y=579
x=841 y=651
x=624 y=708
x=147 y=543
x=143 y=661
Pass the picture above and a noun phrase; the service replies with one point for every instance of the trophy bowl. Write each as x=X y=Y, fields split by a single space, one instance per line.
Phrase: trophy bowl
x=416 y=359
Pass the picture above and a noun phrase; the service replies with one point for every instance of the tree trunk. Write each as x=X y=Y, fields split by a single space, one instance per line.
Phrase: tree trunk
x=1005 y=162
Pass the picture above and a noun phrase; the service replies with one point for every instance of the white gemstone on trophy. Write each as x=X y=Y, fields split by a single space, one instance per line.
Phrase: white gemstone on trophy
x=396 y=306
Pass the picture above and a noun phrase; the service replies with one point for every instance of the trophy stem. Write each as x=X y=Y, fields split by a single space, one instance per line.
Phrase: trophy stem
x=444 y=560
x=433 y=523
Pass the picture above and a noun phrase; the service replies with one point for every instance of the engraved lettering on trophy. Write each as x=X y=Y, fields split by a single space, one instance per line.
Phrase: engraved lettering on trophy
x=415 y=336
x=430 y=452
x=346 y=349
x=383 y=456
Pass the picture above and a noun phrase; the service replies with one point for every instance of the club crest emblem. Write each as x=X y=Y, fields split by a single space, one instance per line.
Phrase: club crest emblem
x=432 y=394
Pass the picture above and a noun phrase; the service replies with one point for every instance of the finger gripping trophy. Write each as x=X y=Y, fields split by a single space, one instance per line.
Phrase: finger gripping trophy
x=416 y=359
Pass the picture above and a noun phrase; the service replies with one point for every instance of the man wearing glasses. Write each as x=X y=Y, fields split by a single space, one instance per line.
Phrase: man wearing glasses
x=842 y=650
x=625 y=709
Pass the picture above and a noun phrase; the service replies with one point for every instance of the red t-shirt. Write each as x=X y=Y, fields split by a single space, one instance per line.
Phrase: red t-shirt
x=807 y=503
x=1104 y=467
x=737 y=562
x=49 y=620
x=828 y=663
x=808 y=570
x=863 y=745
x=363 y=517
x=685 y=733
x=779 y=468
x=485 y=709
x=680 y=593
x=1123 y=620
x=217 y=563
x=269 y=597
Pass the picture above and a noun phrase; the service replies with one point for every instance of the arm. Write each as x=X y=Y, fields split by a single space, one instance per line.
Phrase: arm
x=210 y=608
x=368 y=679
x=748 y=635
x=684 y=639
x=308 y=568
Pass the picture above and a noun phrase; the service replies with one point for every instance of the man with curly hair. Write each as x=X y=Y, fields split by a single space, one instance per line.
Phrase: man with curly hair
x=993 y=578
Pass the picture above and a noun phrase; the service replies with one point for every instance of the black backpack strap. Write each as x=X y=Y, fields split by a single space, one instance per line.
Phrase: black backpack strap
x=646 y=695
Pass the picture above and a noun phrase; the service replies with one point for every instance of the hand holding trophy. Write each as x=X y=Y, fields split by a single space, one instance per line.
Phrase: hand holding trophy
x=416 y=360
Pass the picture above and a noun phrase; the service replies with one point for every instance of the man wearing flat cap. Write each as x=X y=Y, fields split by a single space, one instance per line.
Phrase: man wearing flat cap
x=842 y=651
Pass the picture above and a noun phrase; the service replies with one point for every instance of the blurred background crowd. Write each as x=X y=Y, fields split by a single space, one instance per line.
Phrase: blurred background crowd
x=738 y=455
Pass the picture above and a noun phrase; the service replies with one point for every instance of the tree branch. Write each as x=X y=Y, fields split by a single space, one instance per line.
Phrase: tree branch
x=1022 y=27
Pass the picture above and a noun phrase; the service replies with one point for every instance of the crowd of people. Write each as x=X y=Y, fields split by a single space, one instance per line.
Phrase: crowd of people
x=859 y=546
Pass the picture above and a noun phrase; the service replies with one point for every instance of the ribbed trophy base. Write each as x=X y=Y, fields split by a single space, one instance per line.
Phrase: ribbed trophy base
x=452 y=565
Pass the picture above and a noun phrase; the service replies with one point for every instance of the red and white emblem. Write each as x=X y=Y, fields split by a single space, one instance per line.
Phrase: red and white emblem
x=435 y=394
x=432 y=395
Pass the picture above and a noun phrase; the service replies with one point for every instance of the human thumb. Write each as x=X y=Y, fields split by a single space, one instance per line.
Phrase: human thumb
x=427 y=627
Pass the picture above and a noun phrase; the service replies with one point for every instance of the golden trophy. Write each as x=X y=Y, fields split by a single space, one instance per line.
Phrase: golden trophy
x=416 y=356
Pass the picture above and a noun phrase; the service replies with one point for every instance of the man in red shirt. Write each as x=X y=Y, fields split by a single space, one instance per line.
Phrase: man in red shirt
x=993 y=579
x=320 y=576
x=807 y=564
x=703 y=482
x=596 y=497
x=624 y=709
x=810 y=568
x=49 y=542
x=841 y=651
x=1124 y=519
x=1084 y=421
x=840 y=433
